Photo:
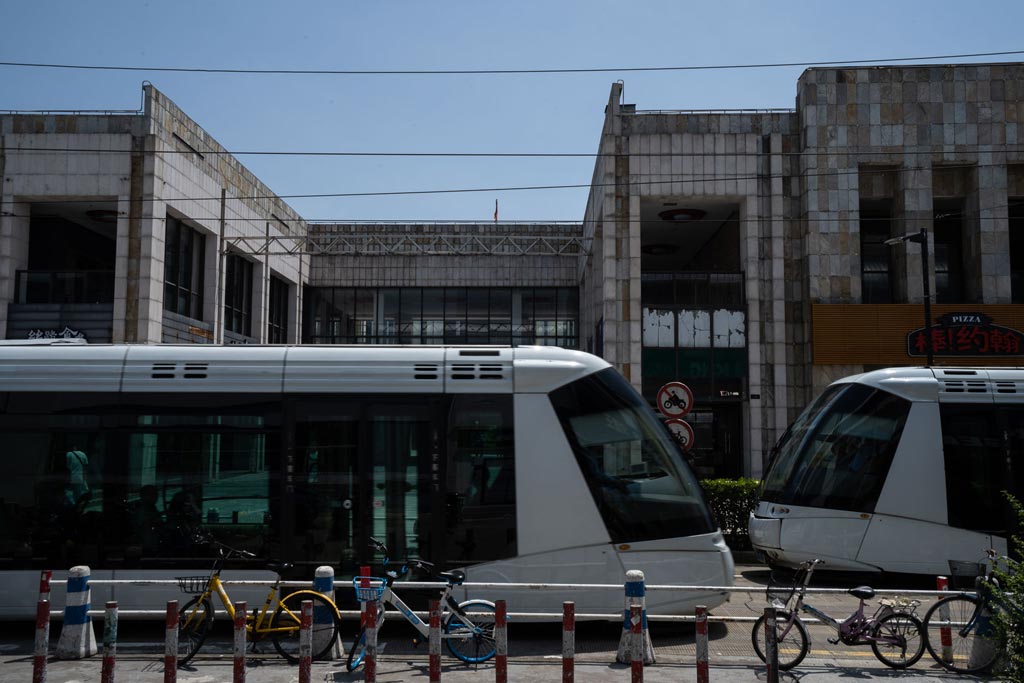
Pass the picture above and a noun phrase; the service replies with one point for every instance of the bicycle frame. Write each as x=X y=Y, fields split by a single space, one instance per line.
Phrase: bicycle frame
x=448 y=605
x=254 y=622
x=856 y=629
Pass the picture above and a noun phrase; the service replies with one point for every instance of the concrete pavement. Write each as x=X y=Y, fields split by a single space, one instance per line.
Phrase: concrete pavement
x=396 y=669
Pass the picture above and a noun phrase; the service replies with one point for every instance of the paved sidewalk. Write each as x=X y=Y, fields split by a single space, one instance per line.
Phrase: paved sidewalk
x=149 y=669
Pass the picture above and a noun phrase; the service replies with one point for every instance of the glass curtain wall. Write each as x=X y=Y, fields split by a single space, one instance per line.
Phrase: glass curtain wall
x=546 y=316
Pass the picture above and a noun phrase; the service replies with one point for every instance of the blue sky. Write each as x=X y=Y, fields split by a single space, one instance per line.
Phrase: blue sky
x=448 y=113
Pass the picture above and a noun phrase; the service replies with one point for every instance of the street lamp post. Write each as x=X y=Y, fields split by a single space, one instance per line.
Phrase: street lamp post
x=921 y=237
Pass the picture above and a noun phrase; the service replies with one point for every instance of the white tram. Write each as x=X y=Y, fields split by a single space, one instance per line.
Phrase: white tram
x=524 y=464
x=897 y=470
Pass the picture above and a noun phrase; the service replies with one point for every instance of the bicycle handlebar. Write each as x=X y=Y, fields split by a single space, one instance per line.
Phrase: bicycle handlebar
x=224 y=549
x=410 y=563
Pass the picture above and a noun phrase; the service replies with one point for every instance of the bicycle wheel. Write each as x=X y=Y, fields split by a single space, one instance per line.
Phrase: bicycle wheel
x=358 y=652
x=195 y=619
x=907 y=635
x=965 y=642
x=791 y=639
x=472 y=638
x=288 y=620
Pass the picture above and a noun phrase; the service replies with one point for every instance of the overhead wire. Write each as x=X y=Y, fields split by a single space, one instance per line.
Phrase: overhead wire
x=994 y=149
x=472 y=72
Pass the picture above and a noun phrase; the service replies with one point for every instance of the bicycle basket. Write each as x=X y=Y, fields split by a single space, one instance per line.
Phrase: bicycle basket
x=192 y=584
x=962 y=575
x=782 y=583
x=368 y=588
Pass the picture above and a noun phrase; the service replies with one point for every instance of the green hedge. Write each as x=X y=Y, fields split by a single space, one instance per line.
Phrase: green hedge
x=732 y=501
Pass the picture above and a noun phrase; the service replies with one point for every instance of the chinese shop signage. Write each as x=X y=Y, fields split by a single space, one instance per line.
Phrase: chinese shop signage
x=966 y=334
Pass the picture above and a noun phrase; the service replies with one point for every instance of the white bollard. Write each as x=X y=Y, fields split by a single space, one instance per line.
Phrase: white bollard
x=77 y=639
x=635 y=592
x=323 y=619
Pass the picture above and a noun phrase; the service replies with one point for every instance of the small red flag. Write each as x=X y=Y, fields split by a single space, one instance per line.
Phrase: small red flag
x=495 y=210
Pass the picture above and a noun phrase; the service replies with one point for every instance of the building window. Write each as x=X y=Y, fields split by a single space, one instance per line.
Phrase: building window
x=277 y=327
x=184 y=251
x=875 y=228
x=442 y=315
x=238 y=295
x=949 y=271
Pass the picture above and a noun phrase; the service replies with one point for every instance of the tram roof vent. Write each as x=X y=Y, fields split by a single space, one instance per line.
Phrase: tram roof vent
x=1009 y=387
x=470 y=371
x=426 y=371
x=180 y=371
x=963 y=386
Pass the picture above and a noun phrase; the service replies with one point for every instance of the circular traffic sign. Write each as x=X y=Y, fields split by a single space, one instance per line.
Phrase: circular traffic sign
x=681 y=431
x=675 y=399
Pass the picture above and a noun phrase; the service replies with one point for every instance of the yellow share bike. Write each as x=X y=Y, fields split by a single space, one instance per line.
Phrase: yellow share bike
x=282 y=625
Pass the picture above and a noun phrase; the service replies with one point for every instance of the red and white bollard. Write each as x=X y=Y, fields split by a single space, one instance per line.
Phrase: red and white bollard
x=945 y=632
x=306 y=642
x=702 y=644
x=771 y=646
x=568 y=642
x=109 y=642
x=44 y=584
x=370 y=664
x=635 y=623
x=42 y=648
x=363 y=583
x=434 y=641
x=239 y=669
x=171 y=643
x=500 y=642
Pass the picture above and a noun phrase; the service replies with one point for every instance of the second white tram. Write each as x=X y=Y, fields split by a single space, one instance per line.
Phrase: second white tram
x=897 y=470
x=524 y=464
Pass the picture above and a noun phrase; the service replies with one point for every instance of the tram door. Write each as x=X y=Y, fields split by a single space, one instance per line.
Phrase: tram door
x=321 y=484
x=402 y=478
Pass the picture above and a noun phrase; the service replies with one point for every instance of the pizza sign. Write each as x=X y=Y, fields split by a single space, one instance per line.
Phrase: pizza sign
x=966 y=334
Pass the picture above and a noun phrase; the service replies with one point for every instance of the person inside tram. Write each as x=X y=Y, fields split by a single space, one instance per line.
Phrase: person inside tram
x=78 y=464
x=147 y=519
x=184 y=521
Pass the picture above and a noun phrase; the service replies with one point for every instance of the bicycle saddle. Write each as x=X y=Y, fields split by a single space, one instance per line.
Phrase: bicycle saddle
x=456 y=577
x=279 y=567
x=862 y=592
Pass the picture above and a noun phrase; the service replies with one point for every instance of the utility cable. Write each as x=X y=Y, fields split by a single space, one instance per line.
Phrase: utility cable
x=476 y=72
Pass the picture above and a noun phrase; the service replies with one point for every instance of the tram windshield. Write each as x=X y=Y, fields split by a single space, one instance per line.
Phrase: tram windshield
x=642 y=486
x=838 y=451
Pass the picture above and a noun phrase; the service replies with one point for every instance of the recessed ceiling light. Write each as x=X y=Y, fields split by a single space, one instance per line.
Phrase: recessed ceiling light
x=682 y=215
x=102 y=215
x=659 y=249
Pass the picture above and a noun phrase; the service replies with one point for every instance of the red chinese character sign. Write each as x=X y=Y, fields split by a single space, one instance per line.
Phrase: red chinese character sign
x=966 y=334
x=674 y=399
x=681 y=431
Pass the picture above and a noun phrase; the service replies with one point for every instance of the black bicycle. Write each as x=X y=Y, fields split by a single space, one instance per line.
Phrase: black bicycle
x=960 y=633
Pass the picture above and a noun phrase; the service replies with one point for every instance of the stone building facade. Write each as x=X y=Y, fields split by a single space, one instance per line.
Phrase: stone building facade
x=125 y=226
x=796 y=207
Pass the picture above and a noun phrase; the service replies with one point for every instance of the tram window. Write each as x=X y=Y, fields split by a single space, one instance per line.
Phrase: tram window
x=480 y=494
x=838 y=454
x=976 y=472
x=639 y=482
